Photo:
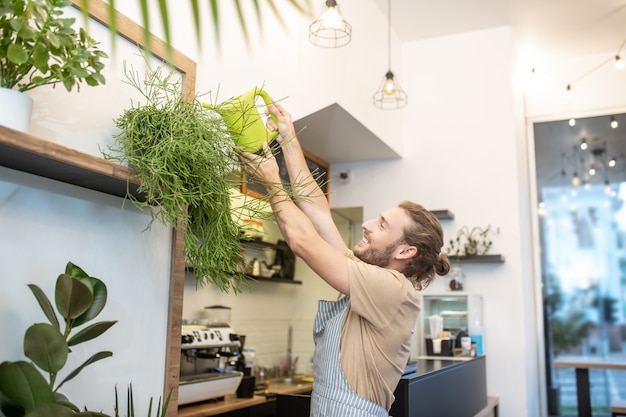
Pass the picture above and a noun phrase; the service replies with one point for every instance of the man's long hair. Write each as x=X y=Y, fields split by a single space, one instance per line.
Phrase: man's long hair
x=427 y=235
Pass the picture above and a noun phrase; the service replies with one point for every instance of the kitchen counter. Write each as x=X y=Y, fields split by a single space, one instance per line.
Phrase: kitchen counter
x=424 y=393
x=232 y=403
x=419 y=392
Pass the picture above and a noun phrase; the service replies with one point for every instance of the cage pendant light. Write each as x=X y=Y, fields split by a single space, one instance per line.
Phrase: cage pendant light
x=330 y=30
x=390 y=95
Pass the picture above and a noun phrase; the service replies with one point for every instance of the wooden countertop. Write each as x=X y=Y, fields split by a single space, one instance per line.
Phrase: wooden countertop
x=232 y=403
x=589 y=363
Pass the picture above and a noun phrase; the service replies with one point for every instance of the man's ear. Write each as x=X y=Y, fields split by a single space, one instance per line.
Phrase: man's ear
x=407 y=252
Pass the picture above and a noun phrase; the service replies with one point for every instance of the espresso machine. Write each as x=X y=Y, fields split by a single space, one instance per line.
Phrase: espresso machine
x=208 y=356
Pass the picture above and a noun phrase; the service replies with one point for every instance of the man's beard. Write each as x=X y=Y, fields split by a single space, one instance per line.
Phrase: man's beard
x=378 y=257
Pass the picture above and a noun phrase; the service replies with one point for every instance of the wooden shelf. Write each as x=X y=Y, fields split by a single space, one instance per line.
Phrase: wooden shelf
x=477 y=259
x=32 y=155
x=443 y=214
x=275 y=280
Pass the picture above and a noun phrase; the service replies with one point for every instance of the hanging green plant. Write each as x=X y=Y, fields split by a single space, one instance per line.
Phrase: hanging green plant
x=188 y=166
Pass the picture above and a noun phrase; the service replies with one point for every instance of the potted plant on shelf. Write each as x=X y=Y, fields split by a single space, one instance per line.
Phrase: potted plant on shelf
x=39 y=46
x=469 y=242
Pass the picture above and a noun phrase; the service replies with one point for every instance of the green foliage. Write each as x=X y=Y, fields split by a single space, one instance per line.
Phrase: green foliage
x=474 y=241
x=24 y=391
x=130 y=404
x=184 y=157
x=147 y=8
x=38 y=46
x=568 y=331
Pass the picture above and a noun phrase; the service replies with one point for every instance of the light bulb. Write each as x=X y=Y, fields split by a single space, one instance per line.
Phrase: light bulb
x=390 y=87
x=614 y=123
x=332 y=18
x=572 y=122
x=619 y=62
x=612 y=162
x=592 y=170
x=583 y=144
x=575 y=179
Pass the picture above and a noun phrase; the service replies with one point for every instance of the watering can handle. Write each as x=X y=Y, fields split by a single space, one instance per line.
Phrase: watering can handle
x=268 y=100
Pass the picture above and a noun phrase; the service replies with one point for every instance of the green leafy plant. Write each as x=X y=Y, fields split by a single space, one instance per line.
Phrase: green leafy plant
x=187 y=164
x=24 y=391
x=474 y=241
x=39 y=46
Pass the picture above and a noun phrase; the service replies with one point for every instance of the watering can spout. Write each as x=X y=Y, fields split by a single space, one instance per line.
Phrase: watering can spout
x=244 y=121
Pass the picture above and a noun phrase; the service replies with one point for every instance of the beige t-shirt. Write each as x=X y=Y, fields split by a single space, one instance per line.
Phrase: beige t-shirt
x=376 y=335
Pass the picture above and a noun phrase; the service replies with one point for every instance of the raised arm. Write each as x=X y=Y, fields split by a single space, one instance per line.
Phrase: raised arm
x=328 y=261
x=312 y=201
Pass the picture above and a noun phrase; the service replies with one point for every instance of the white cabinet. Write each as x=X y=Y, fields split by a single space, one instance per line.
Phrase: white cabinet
x=459 y=310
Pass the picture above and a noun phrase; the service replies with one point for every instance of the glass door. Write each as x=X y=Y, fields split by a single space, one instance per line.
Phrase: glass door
x=581 y=174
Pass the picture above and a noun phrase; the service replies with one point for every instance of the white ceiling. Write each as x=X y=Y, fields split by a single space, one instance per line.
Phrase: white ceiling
x=552 y=28
x=570 y=27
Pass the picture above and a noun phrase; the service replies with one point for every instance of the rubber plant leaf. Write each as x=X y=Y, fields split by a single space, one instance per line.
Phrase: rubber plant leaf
x=48 y=410
x=98 y=303
x=90 y=332
x=46 y=347
x=75 y=271
x=22 y=385
x=45 y=305
x=73 y=297
x=94 y=358
x=63 y=400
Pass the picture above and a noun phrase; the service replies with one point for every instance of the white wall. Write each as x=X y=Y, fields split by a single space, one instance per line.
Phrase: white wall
x=44 y=224
x=465 y=149
x=461 y=154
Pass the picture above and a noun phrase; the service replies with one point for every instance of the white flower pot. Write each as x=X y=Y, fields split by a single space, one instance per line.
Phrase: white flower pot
x=15 y=109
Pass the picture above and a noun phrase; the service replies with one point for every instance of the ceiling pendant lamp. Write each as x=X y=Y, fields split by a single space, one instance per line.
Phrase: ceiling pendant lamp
x=390 y=96
x=330 y=30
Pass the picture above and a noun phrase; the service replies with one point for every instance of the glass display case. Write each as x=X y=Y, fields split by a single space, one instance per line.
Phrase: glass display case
x=461 y=312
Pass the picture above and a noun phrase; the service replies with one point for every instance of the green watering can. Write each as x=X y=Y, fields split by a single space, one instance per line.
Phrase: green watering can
x=244 y=121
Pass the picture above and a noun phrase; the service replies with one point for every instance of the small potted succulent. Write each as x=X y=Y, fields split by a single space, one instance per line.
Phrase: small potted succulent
x=474 y=241
x=39 y=46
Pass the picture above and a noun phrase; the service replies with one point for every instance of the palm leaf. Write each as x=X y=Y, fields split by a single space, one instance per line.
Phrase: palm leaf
x=302 y=6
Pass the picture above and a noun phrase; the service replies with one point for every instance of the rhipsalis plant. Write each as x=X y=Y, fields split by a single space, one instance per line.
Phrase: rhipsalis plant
x=31 y=392
x=188 y=165
x=183 y=156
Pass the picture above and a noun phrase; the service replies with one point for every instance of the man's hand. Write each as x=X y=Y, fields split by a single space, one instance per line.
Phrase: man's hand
x=285 y=127
x=263 y=167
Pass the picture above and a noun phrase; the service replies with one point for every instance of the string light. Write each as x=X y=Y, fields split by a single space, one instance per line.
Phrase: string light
x=617 y=59
x=572 y=122
x=614 y=123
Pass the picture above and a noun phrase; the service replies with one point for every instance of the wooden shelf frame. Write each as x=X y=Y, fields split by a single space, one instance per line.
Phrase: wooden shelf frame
x=26 y=153
x=477 y=259
x=443 y=214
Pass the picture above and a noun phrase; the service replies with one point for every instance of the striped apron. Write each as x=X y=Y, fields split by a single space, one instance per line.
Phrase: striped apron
x=332 y=395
